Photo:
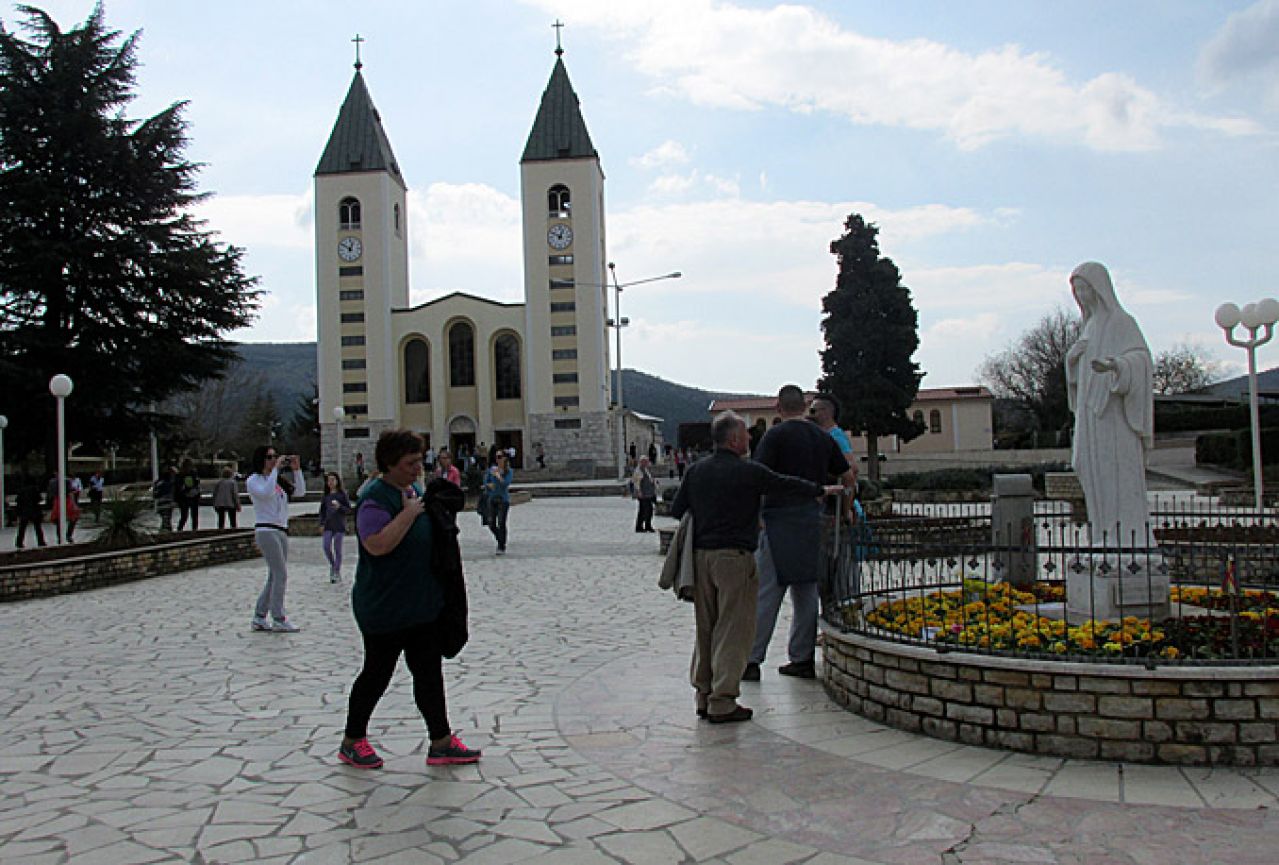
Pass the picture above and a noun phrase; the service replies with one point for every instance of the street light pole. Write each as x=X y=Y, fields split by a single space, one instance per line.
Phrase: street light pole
x=339 y=415
x=1254 y=316
x=60 y=386
x=4 y=422
x=618 y=322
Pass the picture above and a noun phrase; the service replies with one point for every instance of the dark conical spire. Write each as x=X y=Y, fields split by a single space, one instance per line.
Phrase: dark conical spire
x=559 y=132
x=358 y=141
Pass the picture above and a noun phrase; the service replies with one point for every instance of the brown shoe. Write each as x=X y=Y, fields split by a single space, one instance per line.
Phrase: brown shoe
x=739 y=713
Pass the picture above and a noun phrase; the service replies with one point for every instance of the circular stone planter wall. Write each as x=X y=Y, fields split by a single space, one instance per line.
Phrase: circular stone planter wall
x=1171 y=714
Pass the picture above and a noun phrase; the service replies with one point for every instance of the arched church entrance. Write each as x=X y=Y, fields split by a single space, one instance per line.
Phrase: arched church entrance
x=462 y=435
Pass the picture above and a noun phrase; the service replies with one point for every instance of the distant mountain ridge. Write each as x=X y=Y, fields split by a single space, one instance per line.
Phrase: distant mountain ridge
x=289 y=371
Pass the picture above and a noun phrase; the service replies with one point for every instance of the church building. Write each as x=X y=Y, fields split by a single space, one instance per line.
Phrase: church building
x=463 y=370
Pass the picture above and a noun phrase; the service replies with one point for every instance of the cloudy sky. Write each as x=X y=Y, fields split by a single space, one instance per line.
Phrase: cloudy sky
x=996 y=145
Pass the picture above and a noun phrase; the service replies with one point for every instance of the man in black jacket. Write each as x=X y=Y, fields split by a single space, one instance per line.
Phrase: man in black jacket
x=723 y=492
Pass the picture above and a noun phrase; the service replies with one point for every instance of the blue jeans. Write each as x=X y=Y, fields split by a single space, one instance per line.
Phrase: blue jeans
x=498 y=509
x=802 y=646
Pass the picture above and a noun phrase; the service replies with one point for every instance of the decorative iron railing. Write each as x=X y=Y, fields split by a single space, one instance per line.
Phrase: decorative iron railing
x=1199 y=584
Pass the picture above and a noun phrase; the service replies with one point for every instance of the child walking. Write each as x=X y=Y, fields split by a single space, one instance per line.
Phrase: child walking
x=334 y=508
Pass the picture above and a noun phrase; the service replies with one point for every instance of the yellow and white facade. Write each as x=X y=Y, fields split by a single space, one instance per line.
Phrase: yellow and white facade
x=463 y=370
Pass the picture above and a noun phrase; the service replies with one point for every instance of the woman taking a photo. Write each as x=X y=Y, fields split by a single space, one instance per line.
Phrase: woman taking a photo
x=399 y=602
x=270 y=493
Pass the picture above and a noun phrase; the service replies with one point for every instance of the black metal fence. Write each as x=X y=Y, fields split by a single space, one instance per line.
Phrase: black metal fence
x=1197 y=585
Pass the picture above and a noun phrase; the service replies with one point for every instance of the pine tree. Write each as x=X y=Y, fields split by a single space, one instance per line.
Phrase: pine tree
x=106 y=274
x=871 y=332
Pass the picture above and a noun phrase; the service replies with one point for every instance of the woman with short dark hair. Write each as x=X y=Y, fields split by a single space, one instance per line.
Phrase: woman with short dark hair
x=400 y=597
x=270 y=492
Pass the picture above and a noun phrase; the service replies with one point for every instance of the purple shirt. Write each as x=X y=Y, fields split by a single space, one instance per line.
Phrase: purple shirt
x=371 y=517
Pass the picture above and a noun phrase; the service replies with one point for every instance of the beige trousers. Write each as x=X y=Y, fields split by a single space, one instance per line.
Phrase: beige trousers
x=724 y=599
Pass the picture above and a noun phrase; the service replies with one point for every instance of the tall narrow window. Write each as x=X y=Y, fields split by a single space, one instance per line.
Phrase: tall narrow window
x=461 y=355
x=349 y=214
x=397 y=220
x=557 y=201
x=934 y=421
x=506 y=362
x=417 y=371
x=918 y=417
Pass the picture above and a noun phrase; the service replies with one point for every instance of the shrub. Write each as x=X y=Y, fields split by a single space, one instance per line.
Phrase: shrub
x=1234 y=449
x=122 y=514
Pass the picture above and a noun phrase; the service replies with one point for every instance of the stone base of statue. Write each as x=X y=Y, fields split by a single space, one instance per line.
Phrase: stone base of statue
x=1103 y=586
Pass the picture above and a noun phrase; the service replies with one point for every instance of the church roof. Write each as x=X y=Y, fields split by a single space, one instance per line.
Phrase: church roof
x=358 y=141
x=559 y=132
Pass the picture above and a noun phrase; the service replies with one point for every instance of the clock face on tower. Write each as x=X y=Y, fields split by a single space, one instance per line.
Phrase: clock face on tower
x=559 y=236
x=349 y=248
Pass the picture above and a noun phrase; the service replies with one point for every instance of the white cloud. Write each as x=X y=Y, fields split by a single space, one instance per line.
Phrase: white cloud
x=669 y=152
x=260 y=220
x=794 y=58
x=1246 y=46
x=676 y=184
x=465 y=237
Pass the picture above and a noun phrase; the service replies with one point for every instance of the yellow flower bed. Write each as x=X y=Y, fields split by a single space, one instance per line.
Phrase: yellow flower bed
x=991 y=620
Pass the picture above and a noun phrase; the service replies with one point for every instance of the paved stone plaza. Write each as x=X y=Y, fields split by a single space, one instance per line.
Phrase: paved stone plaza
x=146 y=723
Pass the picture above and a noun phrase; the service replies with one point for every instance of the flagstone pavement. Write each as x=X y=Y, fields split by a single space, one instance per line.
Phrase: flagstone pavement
x=147 y=723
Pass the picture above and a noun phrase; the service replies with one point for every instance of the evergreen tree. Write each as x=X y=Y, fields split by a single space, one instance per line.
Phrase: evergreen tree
x=106 y=274
x=871 y=332
x=304 y=427
x=261 y=425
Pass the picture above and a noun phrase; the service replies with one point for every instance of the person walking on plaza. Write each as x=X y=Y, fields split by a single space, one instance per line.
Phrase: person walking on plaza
x=162 y=496
x=723 y=493
x=270 y=492
x=97 y=488
x=446 y=469
x=645 y=494
x=789 y=555
x=400 y=598
x=29 y=512
x=187 y=494
x=68 y=502
x=226 y=498
x=334 y=509
x=497 y=492
x=359 y=468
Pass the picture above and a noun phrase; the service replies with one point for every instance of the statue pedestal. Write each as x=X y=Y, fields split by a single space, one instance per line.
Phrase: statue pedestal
x=1110 y=586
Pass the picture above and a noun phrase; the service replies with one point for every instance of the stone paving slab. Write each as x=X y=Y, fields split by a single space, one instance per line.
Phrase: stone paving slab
x=148 y=724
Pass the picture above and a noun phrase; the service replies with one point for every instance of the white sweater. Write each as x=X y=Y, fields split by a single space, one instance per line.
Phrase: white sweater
x=270 y=504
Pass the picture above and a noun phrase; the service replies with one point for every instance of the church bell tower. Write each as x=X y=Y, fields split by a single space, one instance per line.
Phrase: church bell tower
x=562 y=191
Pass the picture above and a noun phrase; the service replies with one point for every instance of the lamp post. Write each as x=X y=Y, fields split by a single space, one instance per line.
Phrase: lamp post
x=60 y=386
x=1262 y=316
x=339 y=415
x=155 y=450
x=4 y=422
x=617 y=322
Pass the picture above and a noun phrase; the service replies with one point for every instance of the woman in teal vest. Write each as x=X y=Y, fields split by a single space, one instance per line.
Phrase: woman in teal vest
x=397 y=601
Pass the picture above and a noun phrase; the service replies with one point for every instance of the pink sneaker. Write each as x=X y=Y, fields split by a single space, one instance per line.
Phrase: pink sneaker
x=360 y=754
x=452 y=754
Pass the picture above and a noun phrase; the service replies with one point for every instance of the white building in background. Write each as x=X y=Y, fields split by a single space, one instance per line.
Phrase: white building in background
x=461 y=369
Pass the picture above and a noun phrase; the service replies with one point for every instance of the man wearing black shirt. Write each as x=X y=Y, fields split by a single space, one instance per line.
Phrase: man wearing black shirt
x=790 y=544
x=723 y=492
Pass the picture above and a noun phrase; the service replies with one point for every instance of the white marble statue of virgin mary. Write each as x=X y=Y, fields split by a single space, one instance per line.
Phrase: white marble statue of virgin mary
x=1108 y=380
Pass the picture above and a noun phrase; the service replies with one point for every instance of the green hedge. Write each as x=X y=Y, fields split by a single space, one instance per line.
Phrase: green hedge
x=1234 y=448
x=980 y=478
x=1182 y=419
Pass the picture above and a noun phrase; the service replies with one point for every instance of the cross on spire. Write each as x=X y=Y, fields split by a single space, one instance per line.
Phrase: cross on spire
x=558 y=25
x=357 y=40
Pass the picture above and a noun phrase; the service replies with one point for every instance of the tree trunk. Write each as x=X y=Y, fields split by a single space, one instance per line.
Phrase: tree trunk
x=872 y=457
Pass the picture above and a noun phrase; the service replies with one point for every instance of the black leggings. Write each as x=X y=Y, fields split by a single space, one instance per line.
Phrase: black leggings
x=381 y=653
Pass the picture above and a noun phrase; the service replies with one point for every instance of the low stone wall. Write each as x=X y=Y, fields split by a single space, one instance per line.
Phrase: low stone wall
x=1189 y=715
x=95 y=570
